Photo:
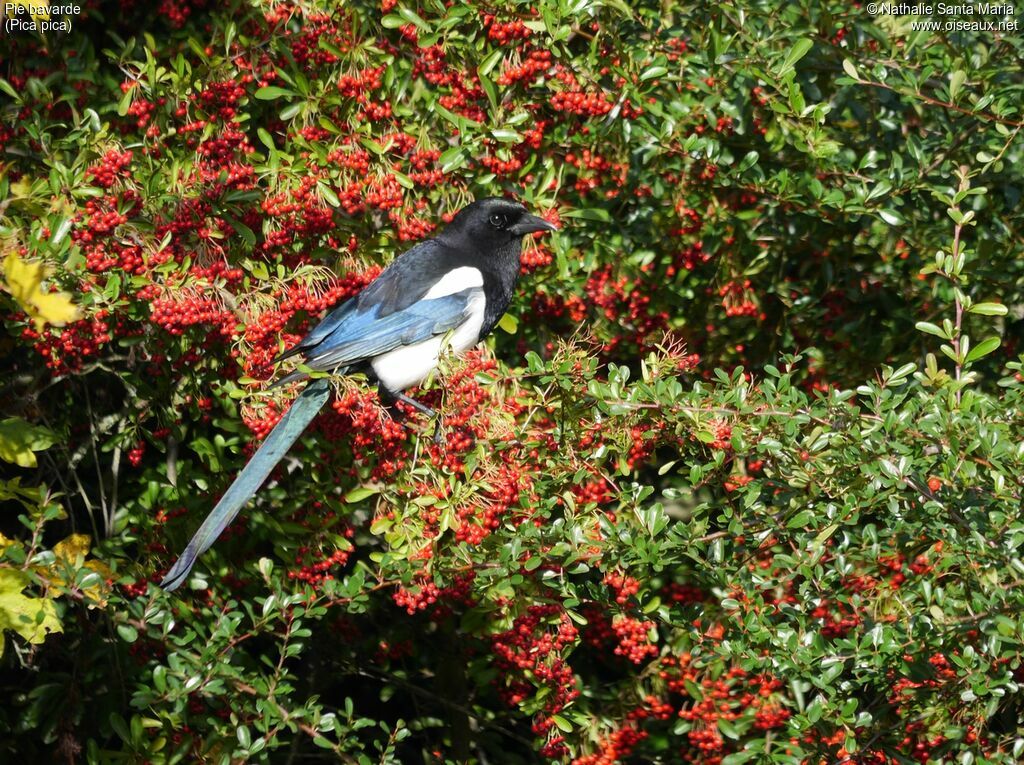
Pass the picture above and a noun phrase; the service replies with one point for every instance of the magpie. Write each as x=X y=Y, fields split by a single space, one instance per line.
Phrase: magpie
x=445 y=292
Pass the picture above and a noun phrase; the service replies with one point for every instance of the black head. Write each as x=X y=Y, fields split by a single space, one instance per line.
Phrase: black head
x=494 y=221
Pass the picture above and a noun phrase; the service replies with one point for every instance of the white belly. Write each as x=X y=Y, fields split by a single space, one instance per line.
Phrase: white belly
x=409 y=365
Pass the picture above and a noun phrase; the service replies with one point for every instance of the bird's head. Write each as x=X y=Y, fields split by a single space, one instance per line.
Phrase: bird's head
x=496 y=220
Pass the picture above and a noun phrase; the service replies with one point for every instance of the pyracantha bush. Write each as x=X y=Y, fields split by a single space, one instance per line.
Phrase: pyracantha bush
x=737 y=480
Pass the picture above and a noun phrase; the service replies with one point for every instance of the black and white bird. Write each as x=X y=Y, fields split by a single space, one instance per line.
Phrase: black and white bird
x=449 y=291
x=460 y=282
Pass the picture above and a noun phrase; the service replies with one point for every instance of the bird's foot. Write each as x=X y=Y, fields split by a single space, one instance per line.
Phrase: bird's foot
x=436 y=433
x=438 y=436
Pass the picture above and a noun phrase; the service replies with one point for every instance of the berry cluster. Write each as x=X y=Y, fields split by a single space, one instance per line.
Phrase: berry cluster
x=315 y=565
x=535 y=63
x=738 y=299
x=504 y=32
x=110 y=168
x=614 y=748
x=582 y=104
x=76 y=343
x=530 y=655
x=627 y=306
x=633 y=641
x=417 y=598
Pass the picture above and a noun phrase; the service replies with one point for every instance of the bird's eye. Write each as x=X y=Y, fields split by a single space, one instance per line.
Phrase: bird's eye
x=499 y=221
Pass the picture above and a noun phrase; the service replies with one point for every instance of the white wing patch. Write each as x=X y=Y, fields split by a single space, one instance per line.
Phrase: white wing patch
x=456 y=280
x=410 y=364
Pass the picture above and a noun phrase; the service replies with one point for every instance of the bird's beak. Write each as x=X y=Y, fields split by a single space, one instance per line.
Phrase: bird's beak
x=528 y=224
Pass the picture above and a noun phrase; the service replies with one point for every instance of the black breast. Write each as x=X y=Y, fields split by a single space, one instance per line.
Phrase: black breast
x=500 y=272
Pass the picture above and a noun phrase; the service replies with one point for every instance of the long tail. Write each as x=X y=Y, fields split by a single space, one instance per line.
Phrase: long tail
x=284 y=434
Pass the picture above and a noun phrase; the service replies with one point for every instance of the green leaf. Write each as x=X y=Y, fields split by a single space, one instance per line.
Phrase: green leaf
x=748 y=161
x=291 y=110
x=6 y=87
x=988 y=309
x=902 y=372
x=796 y=98
x=800 y=49
x=361 y=493
x=403 y=180
x=932 y=329
x=956 y=81
x=983 y=348
x=800 y=520
x=591 y=213
x=266 y=139
x=271 y=92
x=728 y=728
x=125 y=103
x=507 y=136
x=62 y=230
x=891 y=217
x=412 y=17
x=452 y=159
x=651 y=72
x=562 y=724
x=247 y=234
x=328 y=194
x=491 y=61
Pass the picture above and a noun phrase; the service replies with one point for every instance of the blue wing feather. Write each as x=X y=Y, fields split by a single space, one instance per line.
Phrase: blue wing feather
x=398 y=287
x=364 y=335
x=330 y=323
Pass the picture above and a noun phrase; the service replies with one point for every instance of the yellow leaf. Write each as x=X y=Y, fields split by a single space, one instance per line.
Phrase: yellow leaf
x=19 y=439
x=24 y=281
x=73 y=549
x=21 y=187
x=98 y=591
x=32 y=618
x=509 y=323
x=6 y=542
x=71 y=553
x=100 y=568
x=54 y=308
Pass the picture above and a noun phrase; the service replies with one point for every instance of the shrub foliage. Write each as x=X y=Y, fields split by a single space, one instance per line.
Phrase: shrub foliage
x=738 y=480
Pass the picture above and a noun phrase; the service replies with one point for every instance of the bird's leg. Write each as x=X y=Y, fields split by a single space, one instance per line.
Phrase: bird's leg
x=426 y=410
x=416 y=404
x=390 y=397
